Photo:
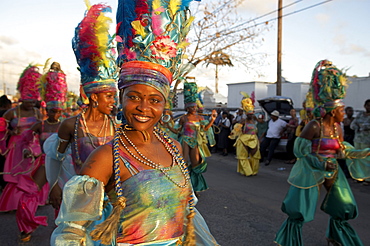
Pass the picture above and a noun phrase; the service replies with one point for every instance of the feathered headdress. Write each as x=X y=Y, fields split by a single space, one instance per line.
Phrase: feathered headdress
x=327 y=88
x=248 y=102
x=54 y=87
x=28 y=83
x=153 y=31
x=93 y=48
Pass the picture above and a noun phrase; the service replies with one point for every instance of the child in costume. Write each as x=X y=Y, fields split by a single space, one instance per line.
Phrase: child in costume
x=317 y=149
x=154 y=203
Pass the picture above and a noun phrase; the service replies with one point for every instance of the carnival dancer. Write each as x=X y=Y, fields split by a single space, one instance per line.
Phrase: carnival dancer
x=53 y=93
x=78 y=136
x=155 y=205
x=317 y=149
x=247 y=144
x=193 y=129
x=13 y=124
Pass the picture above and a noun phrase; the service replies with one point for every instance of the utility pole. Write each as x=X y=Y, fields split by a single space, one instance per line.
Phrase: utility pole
x=280 y=20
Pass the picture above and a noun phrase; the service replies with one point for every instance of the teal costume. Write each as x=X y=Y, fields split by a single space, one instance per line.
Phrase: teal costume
x=305 y=178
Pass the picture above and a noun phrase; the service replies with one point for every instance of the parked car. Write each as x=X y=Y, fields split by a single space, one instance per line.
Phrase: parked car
x=281 y=104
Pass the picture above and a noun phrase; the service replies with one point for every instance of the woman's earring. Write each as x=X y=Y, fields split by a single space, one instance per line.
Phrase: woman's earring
x=165 y=118
x=96 y=104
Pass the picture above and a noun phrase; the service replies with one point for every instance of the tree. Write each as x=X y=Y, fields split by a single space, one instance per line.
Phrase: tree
x=219 y=36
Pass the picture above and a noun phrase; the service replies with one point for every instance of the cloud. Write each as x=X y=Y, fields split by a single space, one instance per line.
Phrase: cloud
x=323 y=19
x=8 y=40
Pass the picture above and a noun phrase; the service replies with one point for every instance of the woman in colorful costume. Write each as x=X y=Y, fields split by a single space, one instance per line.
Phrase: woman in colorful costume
x=53 y=92
x=155 y=202
x=317 y=149
x=14 y=123
x=194 y=129
x=78 y=136
x=247 y=144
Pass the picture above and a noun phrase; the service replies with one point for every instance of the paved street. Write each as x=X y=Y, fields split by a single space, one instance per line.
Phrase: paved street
x=239 y=210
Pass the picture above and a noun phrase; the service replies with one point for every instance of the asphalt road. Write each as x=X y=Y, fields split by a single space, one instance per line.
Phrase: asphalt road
x=240 y=211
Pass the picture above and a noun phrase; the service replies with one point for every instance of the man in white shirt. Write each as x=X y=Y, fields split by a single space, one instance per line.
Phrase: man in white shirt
x=275 y=129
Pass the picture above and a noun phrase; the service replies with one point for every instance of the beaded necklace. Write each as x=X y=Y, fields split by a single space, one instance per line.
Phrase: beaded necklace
x=75 y=136
x=179 y=159
x=156 y=166
x=145 y=160
x=88 y=132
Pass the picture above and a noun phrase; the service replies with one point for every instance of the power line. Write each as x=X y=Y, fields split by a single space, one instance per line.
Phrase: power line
x=275 y=18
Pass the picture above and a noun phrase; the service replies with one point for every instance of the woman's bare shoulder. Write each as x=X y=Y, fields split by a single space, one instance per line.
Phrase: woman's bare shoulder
x=99 y=164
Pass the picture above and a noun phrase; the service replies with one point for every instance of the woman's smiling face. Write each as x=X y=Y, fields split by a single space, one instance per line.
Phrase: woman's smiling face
x=142 y=106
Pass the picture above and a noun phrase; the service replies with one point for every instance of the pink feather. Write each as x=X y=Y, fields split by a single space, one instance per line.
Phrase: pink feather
x=156 y=24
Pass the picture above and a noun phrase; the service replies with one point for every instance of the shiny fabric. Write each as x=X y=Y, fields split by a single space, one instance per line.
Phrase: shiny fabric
x=193 y=135
x=85 y=146
x=18 y=169
x=248 y=164
x=306 y=176
x=74 y=219
x=155 y=206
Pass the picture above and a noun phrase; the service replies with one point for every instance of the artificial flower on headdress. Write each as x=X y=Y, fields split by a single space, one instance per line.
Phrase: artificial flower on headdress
x=93 y=48
x=153 y=31
x=327 y=88
x=28 y=83
x=247 y=102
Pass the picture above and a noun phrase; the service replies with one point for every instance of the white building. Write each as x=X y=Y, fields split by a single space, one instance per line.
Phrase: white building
x=357 y=93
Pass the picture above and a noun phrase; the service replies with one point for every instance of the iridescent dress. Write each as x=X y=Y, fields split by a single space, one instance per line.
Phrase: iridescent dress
x=307 y=174
x=248 y=164
x=155 y=212
x=18 y=170
x=194 y=136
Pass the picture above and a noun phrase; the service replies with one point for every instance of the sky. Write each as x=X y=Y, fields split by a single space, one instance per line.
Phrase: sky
x=33 y=31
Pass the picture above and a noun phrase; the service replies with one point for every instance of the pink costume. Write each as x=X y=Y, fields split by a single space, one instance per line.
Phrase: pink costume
x=30 y=200
x=18 y=171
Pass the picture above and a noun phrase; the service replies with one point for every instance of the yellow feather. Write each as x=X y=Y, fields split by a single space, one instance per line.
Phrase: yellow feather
x=156 y=4
x=189 y=21
x=174 y=6
x=102 y=28
x=88 y=4
x=139 y=28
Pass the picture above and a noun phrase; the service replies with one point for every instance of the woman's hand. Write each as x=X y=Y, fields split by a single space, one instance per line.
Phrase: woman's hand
x=55 y=197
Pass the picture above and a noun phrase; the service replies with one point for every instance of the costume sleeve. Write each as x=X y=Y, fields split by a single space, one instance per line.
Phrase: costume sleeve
x=82 y=204
x=57 y=164
x=308 y=171
x=358 y=161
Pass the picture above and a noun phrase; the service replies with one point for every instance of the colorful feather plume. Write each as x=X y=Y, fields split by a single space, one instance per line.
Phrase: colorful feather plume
x=154 y=31
x=92 y=41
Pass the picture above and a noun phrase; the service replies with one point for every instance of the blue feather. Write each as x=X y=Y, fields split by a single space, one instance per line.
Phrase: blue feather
x=125 y=15
x=185 y=4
